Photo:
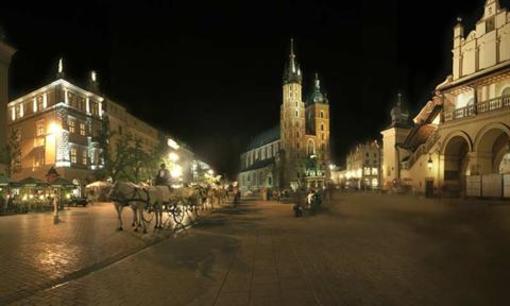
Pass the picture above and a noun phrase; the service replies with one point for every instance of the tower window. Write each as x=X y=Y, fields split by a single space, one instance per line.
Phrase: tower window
x=297 y=114
x=322 y=114
x=322 y=127
x=490 y=25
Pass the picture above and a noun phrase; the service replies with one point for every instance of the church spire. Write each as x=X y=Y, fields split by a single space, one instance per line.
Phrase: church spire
x=317 y=95
x=292 y=71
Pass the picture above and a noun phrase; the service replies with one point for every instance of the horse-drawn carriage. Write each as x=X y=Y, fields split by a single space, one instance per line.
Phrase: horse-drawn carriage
x=169 y=208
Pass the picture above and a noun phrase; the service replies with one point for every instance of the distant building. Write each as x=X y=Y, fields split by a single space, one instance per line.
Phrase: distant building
x=363 y=166
x=458 y=142
x=296 y=152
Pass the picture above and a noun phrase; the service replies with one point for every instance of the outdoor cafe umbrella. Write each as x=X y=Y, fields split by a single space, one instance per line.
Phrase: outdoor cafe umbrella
x=4 y=180
x=31 y=182
x=62 y=182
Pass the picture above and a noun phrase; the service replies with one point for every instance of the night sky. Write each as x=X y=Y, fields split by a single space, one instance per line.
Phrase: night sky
x=211 y=73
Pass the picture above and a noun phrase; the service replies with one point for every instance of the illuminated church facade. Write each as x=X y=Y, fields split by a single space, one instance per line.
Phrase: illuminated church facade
x=296 y=152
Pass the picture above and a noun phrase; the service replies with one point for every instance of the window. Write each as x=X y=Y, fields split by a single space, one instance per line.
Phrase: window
x=322 y=127
x=83 y=132
x=490 y=25
x=297 y=114
x=72 y=125
x=322 y=114
x=40 y=103
x=38 y=159
x=40 y=128
x=120 y=130
x=74 y=154
x=84 y=157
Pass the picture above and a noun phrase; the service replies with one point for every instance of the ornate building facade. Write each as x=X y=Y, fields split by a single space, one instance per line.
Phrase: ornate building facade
x=458 y=144
x=58 y=126
x=296 y=152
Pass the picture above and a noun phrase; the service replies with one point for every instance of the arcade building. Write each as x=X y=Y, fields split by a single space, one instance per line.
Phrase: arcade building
x=459 y=143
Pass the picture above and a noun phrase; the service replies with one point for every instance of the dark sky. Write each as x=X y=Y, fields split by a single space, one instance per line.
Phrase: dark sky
x=210 y=73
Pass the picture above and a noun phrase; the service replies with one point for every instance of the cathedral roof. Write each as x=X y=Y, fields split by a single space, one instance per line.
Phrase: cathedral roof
x=292 y=70
x=264 y=138
x=317 y=95
x=259 y=164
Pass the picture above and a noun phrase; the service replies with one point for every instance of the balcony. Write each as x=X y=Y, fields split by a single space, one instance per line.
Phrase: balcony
x=480 y=108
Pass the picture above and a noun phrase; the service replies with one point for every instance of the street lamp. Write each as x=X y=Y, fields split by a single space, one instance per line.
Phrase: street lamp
x=173 y=156
x=430 y=163
x=54 y=128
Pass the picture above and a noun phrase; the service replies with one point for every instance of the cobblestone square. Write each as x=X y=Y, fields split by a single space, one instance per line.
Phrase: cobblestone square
x=361 y=249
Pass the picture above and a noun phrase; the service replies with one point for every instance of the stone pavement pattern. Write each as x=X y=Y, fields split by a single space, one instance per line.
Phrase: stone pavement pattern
x=363 y=249
x=36 y=254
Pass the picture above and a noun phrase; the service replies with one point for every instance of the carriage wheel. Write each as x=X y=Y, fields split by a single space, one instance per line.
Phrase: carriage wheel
x=178 y=216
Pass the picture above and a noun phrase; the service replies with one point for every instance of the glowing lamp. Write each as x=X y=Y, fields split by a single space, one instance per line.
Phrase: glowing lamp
x=54 y=128
x=173 y=144
x=176 y=172
x=430 y=163
x=173 y=156
x=210 y=172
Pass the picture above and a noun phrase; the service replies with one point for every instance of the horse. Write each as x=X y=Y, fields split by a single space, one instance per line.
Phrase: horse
x=124 y=194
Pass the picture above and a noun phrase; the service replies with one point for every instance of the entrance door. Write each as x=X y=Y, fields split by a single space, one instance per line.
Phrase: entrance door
x=429 y=188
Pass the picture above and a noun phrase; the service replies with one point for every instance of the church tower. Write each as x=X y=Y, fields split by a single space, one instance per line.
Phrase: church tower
x=292 y=122
x=318 y=112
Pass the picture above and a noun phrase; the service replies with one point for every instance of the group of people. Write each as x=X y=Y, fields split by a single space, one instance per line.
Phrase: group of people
x=311 y=202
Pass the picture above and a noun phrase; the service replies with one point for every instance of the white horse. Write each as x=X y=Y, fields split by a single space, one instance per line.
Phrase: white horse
x=124 y=194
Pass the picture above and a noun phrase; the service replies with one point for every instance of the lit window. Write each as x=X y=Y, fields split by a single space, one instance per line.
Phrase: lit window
x=40 y=128
x=72 y=125
x=74 y=154
x=82 y=129
x=84 y=157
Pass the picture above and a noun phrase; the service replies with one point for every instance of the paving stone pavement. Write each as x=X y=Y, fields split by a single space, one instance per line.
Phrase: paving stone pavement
x=36 y=254
x=361 y=249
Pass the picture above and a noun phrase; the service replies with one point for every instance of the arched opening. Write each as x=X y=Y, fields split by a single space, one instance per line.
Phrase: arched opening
x=311 y=147
x=456 y=162
x=492 y=150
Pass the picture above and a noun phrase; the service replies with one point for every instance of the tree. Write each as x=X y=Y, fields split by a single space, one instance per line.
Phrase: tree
x=10 y=155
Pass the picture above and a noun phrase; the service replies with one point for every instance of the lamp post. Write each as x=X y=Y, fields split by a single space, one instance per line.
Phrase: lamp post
x=430 y=163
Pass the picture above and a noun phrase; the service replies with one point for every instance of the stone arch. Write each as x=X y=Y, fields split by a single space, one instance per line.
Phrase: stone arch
x=505 y=92
x=491 y=145
x=454 y=134
x=456 y=161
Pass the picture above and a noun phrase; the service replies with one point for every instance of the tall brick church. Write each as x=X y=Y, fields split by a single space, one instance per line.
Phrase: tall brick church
x=296 y=152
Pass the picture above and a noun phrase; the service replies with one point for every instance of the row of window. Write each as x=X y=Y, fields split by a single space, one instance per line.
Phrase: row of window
x=256 y=180
x=74 y=156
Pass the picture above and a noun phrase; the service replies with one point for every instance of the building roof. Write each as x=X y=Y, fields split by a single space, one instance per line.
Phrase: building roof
x=292 y=70
x=259 y=164
x=264 y=138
